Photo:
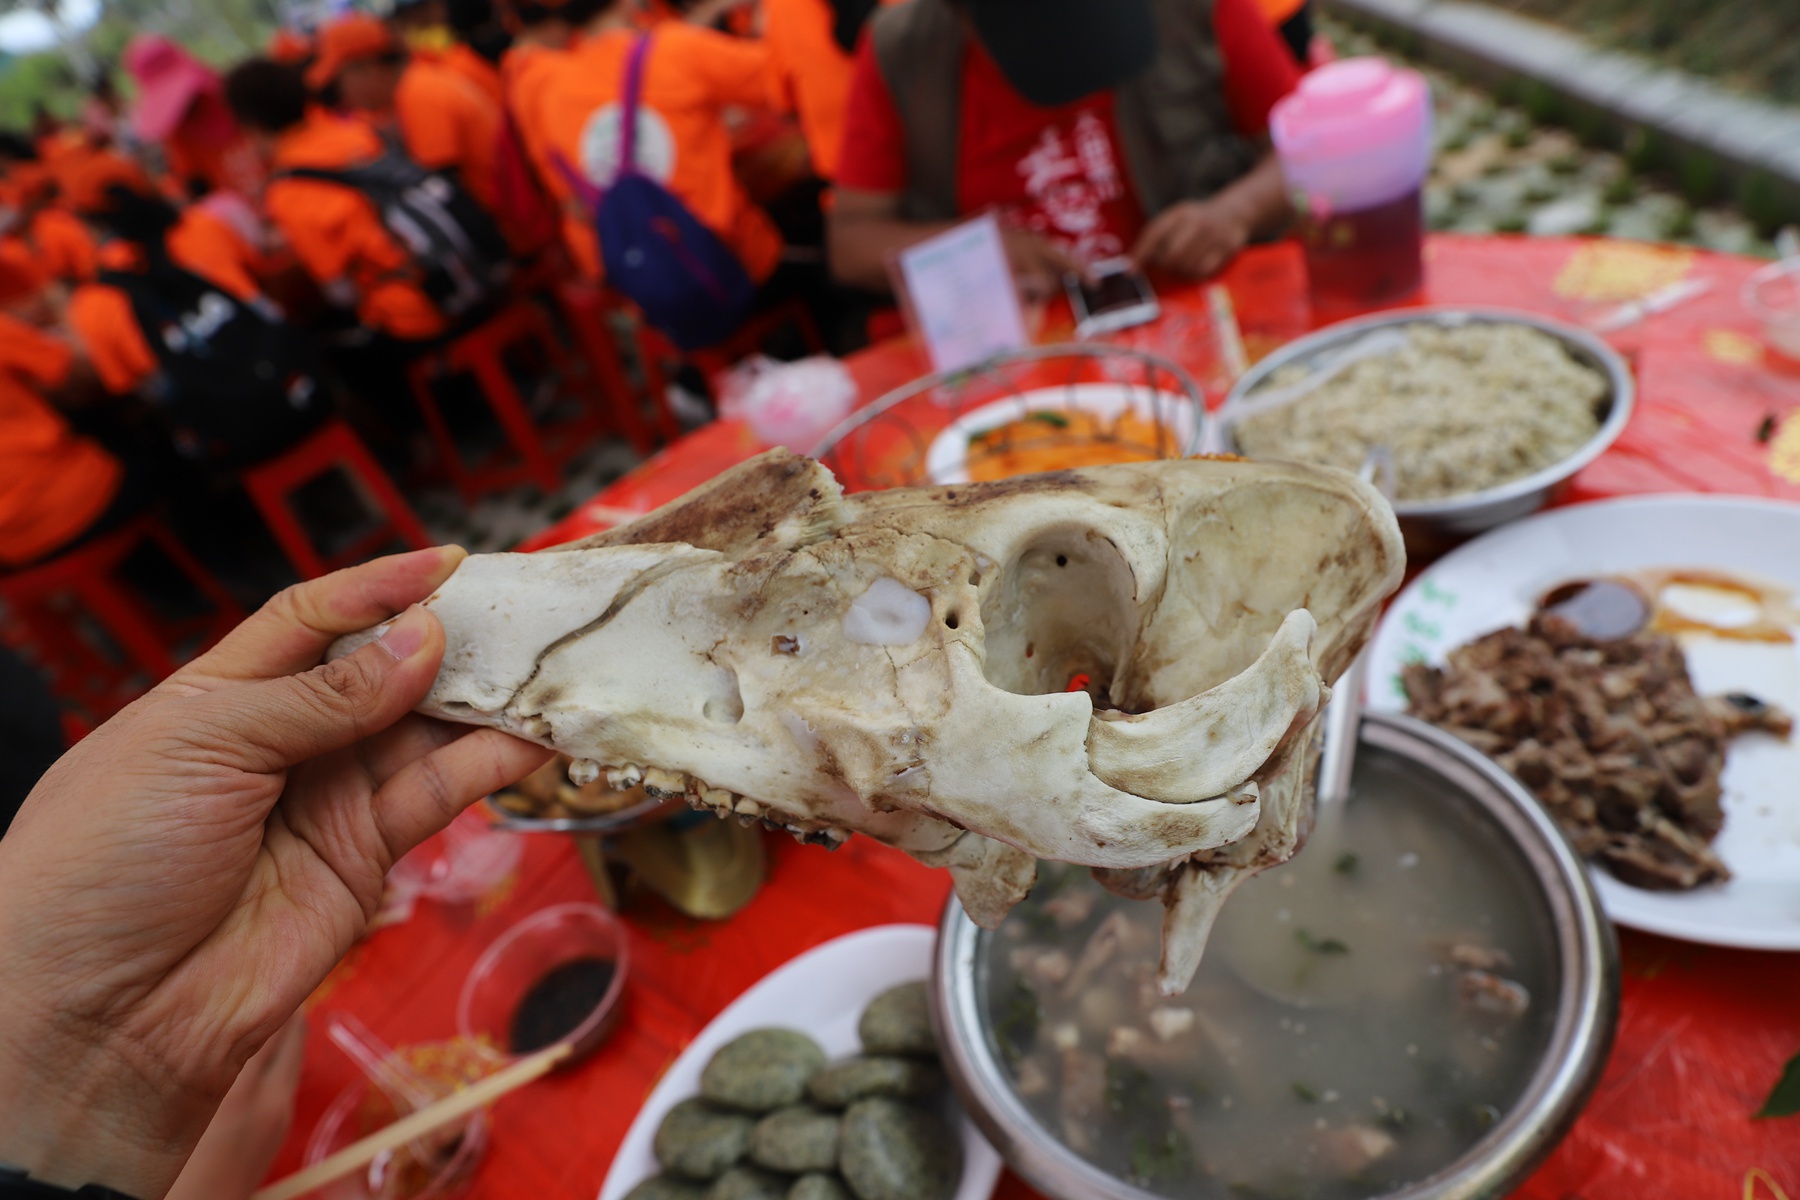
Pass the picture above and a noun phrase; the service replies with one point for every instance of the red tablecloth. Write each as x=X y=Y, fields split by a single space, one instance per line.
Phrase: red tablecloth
x=1703 y=1032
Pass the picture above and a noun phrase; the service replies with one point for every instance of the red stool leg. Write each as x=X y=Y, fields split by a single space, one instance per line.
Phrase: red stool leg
x=419 y=376
x=126 y=623
x=400 y=515
x=515 y=421
x=270 y=499
x=601 y=349
x=225 y=605
x=653 y=350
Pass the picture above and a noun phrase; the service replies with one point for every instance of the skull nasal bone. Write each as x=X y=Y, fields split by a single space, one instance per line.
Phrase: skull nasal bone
x=888 y=614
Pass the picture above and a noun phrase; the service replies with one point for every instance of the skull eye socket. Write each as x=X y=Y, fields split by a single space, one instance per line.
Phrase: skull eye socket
x=1063 y=606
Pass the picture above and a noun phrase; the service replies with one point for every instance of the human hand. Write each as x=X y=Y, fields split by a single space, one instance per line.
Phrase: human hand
x=246 y=1133
x=178 y=883
x=1039 y=265
x=1192 y=238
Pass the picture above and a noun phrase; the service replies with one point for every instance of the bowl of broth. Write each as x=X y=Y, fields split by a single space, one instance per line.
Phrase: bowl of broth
x=1417 y=1005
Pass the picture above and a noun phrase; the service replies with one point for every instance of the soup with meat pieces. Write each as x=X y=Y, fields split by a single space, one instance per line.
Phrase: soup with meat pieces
x=1364 y=1014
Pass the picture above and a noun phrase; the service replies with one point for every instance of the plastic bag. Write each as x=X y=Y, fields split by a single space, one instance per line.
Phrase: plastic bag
x=791 y=404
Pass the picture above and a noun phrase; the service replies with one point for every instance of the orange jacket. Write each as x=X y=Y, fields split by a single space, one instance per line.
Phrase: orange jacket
x=691 y=77
x=53 y=482
x=337 y=235
x=477 y=70
x=63 y=246
x=101 y=317
x=449 y=123
x=1278 y=11
x=815 y=72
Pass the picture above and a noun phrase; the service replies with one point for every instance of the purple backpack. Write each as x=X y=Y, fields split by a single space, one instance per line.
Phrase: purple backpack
x=680 y=273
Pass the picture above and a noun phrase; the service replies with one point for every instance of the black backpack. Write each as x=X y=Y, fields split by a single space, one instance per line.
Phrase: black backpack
x=460 y=253
x=239 y=384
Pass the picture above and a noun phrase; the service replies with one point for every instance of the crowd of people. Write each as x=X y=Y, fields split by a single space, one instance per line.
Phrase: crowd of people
x=195 y=280
x=313 y=219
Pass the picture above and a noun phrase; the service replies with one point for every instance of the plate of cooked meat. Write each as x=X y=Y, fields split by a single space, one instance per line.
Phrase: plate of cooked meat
x=1636 y=664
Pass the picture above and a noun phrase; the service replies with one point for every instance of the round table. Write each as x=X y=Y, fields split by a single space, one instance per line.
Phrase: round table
x=1703 y=1032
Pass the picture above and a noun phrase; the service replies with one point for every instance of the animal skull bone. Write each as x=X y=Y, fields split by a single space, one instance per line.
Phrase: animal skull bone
x=896 y=664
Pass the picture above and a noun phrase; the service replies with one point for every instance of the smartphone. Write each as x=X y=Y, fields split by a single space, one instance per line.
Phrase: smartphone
x=1118 y=298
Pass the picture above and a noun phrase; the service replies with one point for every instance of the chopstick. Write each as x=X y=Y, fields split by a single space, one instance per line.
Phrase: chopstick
x=432 y=1116
x=1226 y=330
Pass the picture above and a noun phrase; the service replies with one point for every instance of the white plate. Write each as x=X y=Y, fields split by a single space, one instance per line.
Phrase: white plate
x=947 y=461
x=1494 y=580
x=822 y=992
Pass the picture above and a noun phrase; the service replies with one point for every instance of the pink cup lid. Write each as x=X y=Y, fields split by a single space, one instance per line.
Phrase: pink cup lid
x=1351 y=107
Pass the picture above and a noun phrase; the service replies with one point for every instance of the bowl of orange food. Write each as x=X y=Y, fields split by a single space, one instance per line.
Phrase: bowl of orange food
x=1055 y=428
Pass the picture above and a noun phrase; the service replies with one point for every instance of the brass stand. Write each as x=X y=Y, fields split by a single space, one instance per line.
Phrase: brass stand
x=707 y=869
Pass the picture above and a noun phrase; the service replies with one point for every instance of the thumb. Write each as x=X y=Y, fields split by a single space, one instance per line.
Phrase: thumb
x=280 y=722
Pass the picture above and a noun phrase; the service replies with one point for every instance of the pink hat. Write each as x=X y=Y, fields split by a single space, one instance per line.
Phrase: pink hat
x=169 y=80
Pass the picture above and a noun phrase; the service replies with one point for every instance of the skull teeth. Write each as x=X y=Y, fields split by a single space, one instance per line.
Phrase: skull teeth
x=621 y=779
x=665 y=785
x=583 y=771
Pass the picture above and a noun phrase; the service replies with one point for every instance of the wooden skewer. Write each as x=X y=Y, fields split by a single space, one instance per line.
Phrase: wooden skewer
x=1225 y=327
x=452 y=1107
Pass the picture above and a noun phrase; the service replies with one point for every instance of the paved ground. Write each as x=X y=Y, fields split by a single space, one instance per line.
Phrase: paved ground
x=501 y=521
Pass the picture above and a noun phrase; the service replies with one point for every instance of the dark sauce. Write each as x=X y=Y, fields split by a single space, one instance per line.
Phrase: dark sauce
x=1601 y=609
x=559 y=1002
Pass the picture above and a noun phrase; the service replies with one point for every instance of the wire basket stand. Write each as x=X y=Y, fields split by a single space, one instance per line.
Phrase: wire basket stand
x=888 y=443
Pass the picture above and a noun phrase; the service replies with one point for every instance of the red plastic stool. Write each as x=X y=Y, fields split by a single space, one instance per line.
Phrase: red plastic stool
x=590 y=309
x=334 y=447
x=538 y=450
x=57 y=607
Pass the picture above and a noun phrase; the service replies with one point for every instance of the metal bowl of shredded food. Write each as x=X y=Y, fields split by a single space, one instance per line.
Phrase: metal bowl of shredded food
x=1479 y=415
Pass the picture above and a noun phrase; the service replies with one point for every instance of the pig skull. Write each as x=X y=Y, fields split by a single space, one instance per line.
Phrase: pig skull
x=898 y=663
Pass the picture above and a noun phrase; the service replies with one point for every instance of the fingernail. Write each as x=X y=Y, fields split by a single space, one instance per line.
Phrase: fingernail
x=403 y=636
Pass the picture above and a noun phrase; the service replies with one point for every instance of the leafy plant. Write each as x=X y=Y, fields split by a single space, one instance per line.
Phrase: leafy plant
x=1163 y=1158
x=1328 y=945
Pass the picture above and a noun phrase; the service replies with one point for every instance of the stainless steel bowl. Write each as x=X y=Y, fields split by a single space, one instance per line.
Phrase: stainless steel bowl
x=1587 y=991
x=1474 y=511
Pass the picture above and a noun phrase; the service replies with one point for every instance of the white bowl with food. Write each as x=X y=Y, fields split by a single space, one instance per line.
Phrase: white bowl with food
x=1484 y=413
x=1416 y=1006
x=1678 y=780
x=1053 y=428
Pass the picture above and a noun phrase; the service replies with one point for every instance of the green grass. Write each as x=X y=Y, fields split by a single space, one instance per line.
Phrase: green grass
x=1680 y=224
x=1621 y=190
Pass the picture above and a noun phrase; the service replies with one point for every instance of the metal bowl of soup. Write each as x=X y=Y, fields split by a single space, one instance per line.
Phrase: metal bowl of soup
x=1418 y=1005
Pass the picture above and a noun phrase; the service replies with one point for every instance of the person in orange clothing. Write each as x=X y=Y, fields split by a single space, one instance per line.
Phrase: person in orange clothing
x=57 y=488
x=446 y=122
x=291 y=48
x=691 y=77
x=100 y=314
x=180 y=107
x=46 y=234
x=466 y=36
x=29 y=214
x=333 y=230
x=811 y=42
